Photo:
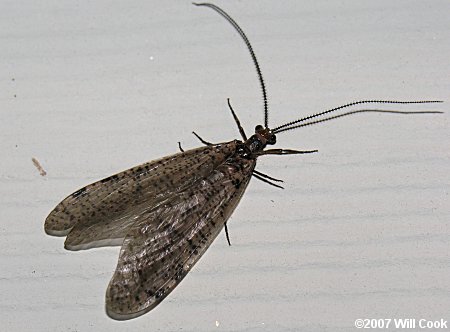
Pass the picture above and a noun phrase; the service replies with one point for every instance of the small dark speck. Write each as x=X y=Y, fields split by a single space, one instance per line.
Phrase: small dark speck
x=159 y=294
x=79 y=192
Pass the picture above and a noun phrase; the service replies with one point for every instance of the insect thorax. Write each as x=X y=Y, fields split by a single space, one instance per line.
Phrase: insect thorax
x=256 y=143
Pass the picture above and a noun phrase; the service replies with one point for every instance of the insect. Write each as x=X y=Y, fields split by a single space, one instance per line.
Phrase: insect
x=166 y=213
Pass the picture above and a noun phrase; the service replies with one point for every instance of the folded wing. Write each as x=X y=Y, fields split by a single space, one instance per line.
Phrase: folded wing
x=163 y=244
x=101 y=213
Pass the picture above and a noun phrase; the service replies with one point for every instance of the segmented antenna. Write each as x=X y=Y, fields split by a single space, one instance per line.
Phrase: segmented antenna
x=252 y=53
x=294 y=124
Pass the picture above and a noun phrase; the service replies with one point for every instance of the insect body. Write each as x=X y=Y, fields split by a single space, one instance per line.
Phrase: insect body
x=166 y=213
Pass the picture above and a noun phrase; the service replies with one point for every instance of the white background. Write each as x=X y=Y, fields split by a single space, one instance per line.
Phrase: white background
x=362 y=229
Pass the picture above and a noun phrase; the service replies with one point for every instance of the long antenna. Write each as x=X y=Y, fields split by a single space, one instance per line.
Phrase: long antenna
x=294 y=124
x=252 y=53
x=356 y=112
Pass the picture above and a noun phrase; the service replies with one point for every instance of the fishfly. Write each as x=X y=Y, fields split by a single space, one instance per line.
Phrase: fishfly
x=166 y=213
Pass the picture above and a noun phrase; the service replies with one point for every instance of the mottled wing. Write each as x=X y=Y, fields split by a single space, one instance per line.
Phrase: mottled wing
x=101 y=213
x=164 y=244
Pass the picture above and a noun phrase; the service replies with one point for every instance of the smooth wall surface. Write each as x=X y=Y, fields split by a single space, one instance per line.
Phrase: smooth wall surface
x=362 y=229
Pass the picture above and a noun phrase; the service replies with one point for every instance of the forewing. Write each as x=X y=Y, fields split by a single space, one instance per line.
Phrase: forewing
x=104 y=210
x=161 y=247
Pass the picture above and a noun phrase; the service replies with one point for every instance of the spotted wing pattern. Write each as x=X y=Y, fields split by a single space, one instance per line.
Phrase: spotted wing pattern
x=165 y=242
x=101 y=213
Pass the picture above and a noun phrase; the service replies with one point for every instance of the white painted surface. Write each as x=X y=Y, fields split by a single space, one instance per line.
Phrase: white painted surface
x=362 y=229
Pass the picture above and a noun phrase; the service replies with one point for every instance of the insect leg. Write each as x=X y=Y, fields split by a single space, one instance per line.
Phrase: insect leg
x=285 y=151
x=266 y=176
x=266 y=181
x=179 y=146
x=226 y=233
x=201 y=139
x=236 y=119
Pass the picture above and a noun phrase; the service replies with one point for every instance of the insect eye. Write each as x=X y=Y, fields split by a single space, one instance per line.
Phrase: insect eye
x=272 y=140
x=258 y=128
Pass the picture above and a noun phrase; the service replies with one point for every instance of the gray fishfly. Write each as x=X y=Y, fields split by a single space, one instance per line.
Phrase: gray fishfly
x=166 y=213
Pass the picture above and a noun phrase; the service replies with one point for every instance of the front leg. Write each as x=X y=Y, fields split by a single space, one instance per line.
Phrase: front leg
x=202 y=140
x=284 y=151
